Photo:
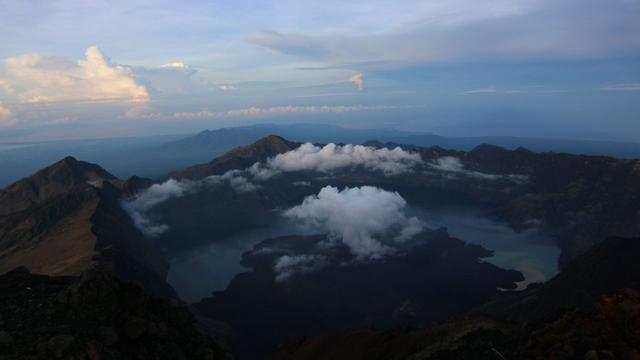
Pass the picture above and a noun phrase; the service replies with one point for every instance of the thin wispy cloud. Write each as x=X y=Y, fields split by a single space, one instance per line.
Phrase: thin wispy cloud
x=280 y=110
x=542 y=30
x=621 y=87
x=333 y=94
x=175 y=65
x=226 y=87
x=493 y=90
x=6 y=116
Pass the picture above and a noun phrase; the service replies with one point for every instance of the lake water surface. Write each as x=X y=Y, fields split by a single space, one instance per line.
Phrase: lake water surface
x=196 y=273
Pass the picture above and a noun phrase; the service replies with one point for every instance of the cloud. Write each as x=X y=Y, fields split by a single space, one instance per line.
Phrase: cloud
x=305 y=158
x=358 y=81
x=5 y=87
x=531 y=273
x=463 y=32
x=226 y=87
x=6 y=116
x=330 y=157
x=235 y=179
x=288 y=265
x=278 y=110
x=175 y=65
x=453 y=164
x=622 y=87
x=301 y=183
x=493 y=90
x=325 y=159
x=139 y=205
x=38 y=78
x=359 y=218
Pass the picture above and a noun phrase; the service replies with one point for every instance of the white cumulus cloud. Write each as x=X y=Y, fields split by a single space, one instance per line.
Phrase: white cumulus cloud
x=358 y=217
x=38 y=78
x=330 y=157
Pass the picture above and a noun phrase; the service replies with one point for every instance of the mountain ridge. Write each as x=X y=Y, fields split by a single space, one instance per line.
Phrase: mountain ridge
x=53 y=180
x=66 y=219
x=238 y=158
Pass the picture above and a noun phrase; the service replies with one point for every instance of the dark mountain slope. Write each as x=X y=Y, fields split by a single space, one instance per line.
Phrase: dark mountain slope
x=53 y=237
x=589 y=311
x=239 y=158
x=610 y=330
x=122 y=249
x=97 y=316
x=607 y=267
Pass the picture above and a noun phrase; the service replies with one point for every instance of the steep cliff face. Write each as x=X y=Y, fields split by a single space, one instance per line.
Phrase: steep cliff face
x=97 y=316
x=67 y=218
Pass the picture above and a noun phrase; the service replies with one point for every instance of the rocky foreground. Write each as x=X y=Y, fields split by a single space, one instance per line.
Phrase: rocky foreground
x=94 y=317
x=611 y=330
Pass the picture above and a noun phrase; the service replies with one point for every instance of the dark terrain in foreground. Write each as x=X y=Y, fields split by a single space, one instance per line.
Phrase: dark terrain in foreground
x=609 y=330
x=96 y=316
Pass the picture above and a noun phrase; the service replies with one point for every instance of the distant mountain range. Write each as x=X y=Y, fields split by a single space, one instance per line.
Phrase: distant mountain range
x=156 y=156
x=215 y=140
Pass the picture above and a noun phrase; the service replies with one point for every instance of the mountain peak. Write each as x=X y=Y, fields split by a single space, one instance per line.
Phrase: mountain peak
x=69 y=160
x=484 y=147
x=272 y=144
x=239 y=158
x=260 y=150
x=54 y=180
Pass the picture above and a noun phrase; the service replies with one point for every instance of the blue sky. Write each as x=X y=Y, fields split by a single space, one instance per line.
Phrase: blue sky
x=544 y=68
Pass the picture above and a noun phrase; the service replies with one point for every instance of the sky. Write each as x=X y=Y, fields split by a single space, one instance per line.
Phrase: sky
x=537 y=68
